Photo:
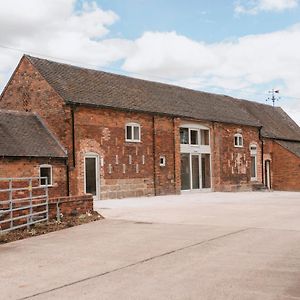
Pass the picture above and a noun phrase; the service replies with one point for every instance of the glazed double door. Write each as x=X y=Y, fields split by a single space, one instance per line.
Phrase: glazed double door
x=195 y=171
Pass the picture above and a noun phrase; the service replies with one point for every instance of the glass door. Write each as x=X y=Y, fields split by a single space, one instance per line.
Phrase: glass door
x=185 y=171
x=195 y=172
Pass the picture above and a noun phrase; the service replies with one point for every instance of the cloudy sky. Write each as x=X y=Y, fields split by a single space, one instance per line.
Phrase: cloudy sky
x=241 y=48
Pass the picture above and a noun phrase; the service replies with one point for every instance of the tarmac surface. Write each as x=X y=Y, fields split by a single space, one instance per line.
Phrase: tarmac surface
x=192 y=246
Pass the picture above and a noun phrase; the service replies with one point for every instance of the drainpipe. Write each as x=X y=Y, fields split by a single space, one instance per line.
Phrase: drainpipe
x=67 y=177
x=73 y=135
x=262 y=155
x=154 y=156
x=174 y=132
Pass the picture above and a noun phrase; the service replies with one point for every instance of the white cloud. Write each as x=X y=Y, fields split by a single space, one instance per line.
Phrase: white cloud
x=236 y=67
x=55 y=28
x=242 y=68
x=256 y=6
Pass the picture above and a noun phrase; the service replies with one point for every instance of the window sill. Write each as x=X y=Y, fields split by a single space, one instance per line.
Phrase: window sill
x=132 y=141
x=43 y=185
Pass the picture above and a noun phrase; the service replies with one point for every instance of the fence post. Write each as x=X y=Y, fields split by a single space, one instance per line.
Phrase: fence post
x=30 y=202
x=47 y=200
x=10 y=203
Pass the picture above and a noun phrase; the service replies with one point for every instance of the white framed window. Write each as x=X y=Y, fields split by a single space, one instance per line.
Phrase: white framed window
x=194 y=136
x=253 y=165
x=162 y=161
x=46 y=171
x=133 y=132
x=238 y=140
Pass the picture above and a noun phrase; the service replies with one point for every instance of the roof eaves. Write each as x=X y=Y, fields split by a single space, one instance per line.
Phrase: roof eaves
x=94 y=105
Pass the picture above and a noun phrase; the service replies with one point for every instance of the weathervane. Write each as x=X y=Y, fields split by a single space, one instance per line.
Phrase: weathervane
x=273 y=97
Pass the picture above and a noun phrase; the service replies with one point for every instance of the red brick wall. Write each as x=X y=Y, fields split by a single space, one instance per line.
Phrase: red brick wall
x=28 y=91
x=231 y=165
x=25 y=167
x=67 y=205
x=102 y=131
x=285 y=167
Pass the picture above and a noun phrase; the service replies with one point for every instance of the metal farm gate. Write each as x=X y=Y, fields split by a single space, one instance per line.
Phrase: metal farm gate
x=23 y=202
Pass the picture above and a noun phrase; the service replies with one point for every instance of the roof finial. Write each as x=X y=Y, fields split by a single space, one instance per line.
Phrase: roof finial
x=273 y=97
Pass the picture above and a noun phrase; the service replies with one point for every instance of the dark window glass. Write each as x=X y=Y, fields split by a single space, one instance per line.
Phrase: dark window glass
x=204 y=136
x=205 y=170
x=253 y=166
x=136 y=133
x=194 y=137
x=195 y=172
x=46 y=172
x=128 y=133
x=90 y=176
x=185 y=172
x=184 y=136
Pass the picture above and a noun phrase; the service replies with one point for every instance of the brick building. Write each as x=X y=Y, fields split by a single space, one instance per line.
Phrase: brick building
x=130 y=137
x=29 y=149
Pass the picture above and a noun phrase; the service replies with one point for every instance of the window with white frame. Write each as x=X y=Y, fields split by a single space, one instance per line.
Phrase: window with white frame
x=46 y=172
x=194 y=136
x=253 y=165
x=162 y=161
x=133 y=132
x=238 y=140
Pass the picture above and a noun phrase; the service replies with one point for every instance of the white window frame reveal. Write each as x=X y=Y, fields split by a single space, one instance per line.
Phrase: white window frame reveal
x=253 y=153
x=51 y=174
x=133 y=125
x=190 y=148
x=197 y=150
x=239 y=137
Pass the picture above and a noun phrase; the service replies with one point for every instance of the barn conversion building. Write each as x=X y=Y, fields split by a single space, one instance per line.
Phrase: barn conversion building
x=119 y=136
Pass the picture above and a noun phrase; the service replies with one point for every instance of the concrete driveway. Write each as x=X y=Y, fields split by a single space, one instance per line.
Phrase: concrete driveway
x=201 y=246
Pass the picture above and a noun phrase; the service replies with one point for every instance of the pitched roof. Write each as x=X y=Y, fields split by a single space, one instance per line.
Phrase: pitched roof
x=23 y=134
x=85 y=86
x=276 y=123
x=293 y=147
x=91 y=87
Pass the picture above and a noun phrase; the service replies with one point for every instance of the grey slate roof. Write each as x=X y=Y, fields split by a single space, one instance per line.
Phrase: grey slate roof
x=275 y=122
x=91 y=87
x=85 y=86
x=293 y=147
x=23 y=134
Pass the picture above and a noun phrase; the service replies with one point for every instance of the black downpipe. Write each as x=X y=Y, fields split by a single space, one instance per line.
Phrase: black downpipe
x=262 y=156
x=154 y=157
x=68 y=177
x=174 y=129
x=73 y=135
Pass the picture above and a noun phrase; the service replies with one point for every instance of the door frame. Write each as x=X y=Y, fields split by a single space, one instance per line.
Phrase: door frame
x=201 y=189
x=96 y=156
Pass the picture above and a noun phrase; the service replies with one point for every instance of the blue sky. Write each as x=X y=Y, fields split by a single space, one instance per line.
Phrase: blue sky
x=242 y=48
x=210 y=21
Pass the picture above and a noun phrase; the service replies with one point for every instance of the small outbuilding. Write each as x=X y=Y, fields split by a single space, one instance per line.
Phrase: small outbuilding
x=29 y=149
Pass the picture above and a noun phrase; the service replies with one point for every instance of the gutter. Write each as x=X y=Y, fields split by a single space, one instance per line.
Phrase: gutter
x=93 y=105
